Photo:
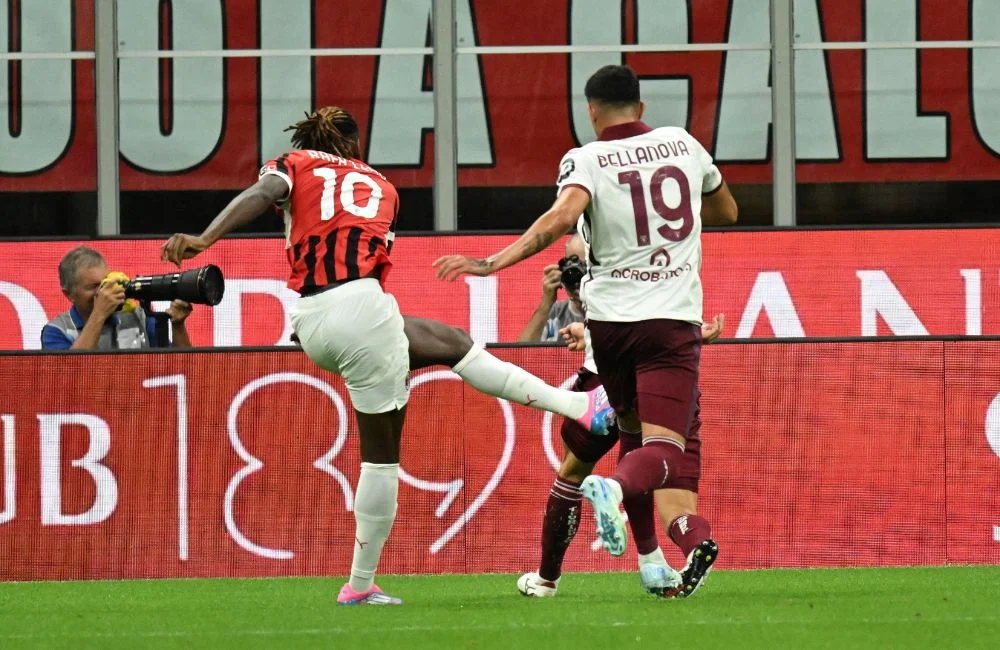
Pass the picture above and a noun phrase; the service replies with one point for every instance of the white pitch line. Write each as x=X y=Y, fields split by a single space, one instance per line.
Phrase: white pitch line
x=493 y=628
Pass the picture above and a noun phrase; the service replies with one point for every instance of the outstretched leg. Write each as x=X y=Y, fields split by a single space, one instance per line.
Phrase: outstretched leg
x=433 y=343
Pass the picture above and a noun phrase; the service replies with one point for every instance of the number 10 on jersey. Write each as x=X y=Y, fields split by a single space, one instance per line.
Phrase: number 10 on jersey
x=347 y=185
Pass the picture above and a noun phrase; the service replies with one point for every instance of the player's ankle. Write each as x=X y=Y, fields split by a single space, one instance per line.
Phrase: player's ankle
x=554 y=581
x=653 y=557
x=615 y=487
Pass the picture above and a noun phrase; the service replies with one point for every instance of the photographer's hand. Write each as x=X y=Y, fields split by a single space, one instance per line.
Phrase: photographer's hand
x=532 y=332
x=551 y=278
x=107 y=300
x=178 y=311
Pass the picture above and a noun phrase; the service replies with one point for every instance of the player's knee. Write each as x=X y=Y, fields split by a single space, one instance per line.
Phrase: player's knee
x=460 y=341
x=379 y=436
x=452 y=343
x=455 y=342
x=573 y=469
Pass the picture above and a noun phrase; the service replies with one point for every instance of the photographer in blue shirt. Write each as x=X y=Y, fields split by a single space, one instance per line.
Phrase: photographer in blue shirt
x=97 y=320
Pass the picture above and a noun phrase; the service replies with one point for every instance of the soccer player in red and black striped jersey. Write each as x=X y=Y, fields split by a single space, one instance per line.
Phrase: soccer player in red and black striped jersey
x=345 y=218
x=340 y=220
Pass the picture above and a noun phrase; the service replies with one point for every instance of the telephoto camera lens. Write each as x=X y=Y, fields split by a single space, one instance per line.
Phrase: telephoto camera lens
x=203 y=286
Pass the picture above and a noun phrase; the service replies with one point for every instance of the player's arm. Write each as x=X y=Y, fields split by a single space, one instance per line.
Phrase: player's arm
x=242 y=210
x=553 y=224
x=718 y=208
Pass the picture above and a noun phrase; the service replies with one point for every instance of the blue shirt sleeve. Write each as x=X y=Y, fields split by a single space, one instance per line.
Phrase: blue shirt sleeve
x=55 y=339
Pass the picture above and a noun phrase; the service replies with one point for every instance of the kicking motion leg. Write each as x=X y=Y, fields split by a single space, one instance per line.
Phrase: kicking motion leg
x=434 y=343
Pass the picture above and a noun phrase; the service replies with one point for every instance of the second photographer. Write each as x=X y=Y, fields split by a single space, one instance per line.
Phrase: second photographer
x=551 y=315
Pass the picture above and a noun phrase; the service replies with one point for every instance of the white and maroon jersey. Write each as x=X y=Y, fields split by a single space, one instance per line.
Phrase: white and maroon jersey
x=643 y=224
x=588 y=355
x=340 y=218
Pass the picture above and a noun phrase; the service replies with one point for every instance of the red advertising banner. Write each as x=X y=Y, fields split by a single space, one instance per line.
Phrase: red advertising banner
x=774 y=283
x=244 y=463
x=208 y=122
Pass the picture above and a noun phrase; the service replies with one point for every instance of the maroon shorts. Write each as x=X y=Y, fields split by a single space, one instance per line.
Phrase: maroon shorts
x=591 y=448
x=650 y=367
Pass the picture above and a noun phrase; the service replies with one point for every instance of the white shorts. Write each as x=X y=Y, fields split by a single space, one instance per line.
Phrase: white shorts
x=356 y=331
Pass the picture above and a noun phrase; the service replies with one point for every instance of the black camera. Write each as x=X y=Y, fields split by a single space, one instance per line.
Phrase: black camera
x=203 y=286
x=573 y=270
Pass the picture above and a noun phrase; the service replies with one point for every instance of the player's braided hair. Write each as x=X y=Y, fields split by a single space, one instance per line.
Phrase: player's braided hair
x=330 y=129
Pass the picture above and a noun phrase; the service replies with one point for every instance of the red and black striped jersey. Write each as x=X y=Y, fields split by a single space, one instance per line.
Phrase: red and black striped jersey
x=340 y=218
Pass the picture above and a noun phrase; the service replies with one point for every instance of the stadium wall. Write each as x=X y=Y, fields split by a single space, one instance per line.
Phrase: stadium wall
x=784 y=283
x=243 y=463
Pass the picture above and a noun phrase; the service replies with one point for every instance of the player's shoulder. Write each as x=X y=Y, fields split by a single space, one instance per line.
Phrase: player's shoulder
x=289 y=157
x=676 y=133
x=671 y=133
x=585 y=155
x=575 y=151
x=283 y=163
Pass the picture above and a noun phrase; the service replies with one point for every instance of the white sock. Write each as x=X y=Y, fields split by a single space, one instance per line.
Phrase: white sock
x=490 y=375
x=374 y=512
x=655 y=557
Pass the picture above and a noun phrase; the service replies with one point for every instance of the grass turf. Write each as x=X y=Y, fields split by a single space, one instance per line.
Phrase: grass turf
x=853 y=608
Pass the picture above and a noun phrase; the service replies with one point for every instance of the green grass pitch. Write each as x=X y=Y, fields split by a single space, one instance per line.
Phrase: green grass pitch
x=949 y=607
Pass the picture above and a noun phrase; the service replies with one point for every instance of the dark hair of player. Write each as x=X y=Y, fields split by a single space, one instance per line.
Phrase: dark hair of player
x=613 y=85
x=330 y=129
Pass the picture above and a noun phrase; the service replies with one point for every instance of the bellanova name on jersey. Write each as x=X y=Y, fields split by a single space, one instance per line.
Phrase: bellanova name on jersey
x=340 y=218
x=643 y=224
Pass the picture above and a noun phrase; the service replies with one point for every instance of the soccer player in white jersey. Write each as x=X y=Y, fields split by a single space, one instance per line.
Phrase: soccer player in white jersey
x=582 y=451
x=644 y=194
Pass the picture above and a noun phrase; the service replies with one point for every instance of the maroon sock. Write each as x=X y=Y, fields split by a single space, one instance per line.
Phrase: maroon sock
x=639 y=507
x=688 y=531
x=648 y=468
x=562 y=516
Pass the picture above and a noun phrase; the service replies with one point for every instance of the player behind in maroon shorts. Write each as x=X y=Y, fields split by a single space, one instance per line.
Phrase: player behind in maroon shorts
x=340 y=221
x=582 y=451
x=644 y=194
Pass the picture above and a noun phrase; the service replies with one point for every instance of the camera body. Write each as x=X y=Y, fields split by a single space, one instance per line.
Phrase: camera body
x=573 y=269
